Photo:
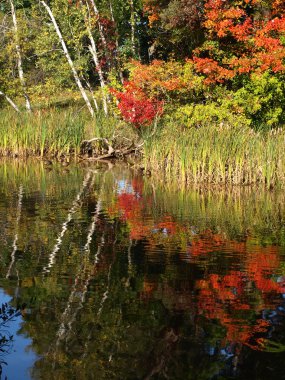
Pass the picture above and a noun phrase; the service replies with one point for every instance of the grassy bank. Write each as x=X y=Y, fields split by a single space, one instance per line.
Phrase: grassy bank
x=212 y=155
x=42 y=133
x=218 y=155
x=52 y=132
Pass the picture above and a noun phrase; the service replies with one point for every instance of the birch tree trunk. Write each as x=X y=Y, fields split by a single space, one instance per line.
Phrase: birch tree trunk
x=71 y=211
x=100 y=27
x=92 y=95
x=15 y=247
x=19 y=57
x=67 y=55
x=116 y=41
x=133 y=26
x=9 y=100
x=79 y=292
x=94 y=53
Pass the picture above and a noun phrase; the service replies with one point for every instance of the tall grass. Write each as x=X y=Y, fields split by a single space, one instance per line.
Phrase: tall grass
x=217 y=155
x=49 y=132
x=210 y=154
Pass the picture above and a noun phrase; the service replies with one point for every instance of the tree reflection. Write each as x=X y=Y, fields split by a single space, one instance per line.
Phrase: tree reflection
x=7 y=315
x=146 y=283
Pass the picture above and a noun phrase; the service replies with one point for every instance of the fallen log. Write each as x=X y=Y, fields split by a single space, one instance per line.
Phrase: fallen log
x=106 y=148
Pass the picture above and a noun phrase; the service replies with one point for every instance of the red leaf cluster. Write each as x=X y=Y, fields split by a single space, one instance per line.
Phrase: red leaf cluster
x=135 y=107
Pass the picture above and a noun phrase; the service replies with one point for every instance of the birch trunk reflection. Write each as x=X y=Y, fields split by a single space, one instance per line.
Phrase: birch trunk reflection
x=72 y=210
x=19 y=209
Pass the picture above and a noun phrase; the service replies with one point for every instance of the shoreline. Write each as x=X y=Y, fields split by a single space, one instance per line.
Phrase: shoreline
x=223 y=155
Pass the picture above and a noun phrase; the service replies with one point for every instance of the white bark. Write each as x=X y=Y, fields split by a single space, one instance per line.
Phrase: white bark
x=133 y=26
x=114 y=22
x=67 y=55
x=92 y=227
x=92 y=95
x=94 y=53
x=9 y=100
x=19 y=57
x=111 y=11
x=106 y=293
x=71 y=211
x=116 y=41
x=15 y=247
x=78 y=293
x=100 y=27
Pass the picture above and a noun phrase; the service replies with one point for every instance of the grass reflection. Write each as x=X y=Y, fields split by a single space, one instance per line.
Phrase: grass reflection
x=181 y=284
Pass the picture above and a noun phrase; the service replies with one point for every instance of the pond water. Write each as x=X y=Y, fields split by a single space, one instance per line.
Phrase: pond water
x=120 y=277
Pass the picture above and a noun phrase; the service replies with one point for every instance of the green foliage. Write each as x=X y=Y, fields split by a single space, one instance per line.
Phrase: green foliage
x=51 y=65
x=259 y=103
x=210 y=114
x=262 y=100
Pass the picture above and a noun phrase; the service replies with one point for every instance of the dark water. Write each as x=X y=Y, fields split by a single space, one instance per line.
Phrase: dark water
x=121 y=278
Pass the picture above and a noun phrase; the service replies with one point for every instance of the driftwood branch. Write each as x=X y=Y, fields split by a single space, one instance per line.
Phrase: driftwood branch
x=111 y=151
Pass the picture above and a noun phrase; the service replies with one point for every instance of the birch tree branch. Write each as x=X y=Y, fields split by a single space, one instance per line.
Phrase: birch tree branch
x=9 y=100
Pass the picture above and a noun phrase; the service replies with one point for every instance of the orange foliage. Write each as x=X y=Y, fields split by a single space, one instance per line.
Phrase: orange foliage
x=158 y=76
x=152 y=12
x=206 y=242
x=222 y=297
x=254 y=46
x=213 y=71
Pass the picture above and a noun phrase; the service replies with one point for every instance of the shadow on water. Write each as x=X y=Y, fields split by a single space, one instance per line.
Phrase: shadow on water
x=126 y=279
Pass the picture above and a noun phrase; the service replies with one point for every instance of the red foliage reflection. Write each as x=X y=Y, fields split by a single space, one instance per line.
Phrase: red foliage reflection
x=234 y=294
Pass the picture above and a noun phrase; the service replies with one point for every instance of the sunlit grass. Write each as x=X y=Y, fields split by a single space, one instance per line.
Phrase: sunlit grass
x=217 y=155
x=42 y=133
x=208 y=155
x=50 y=132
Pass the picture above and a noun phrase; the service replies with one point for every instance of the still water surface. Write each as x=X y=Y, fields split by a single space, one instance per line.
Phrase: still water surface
x=123 y=278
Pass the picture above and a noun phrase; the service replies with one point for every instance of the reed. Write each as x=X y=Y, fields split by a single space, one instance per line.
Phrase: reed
x=209 y=155
x=217 y=155
x=49 y=132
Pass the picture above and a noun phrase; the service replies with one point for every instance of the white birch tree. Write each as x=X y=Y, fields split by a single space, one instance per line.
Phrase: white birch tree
x=133 y=26
x=67 y=55
x=19 y=57
x=100 y=26
x=116 y=41
x=94 y=53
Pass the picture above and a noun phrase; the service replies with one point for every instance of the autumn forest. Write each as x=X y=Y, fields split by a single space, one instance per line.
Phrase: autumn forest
x=206 y=75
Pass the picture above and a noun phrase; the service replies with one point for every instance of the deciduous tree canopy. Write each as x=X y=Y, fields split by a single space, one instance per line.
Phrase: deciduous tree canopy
x=156 y=55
